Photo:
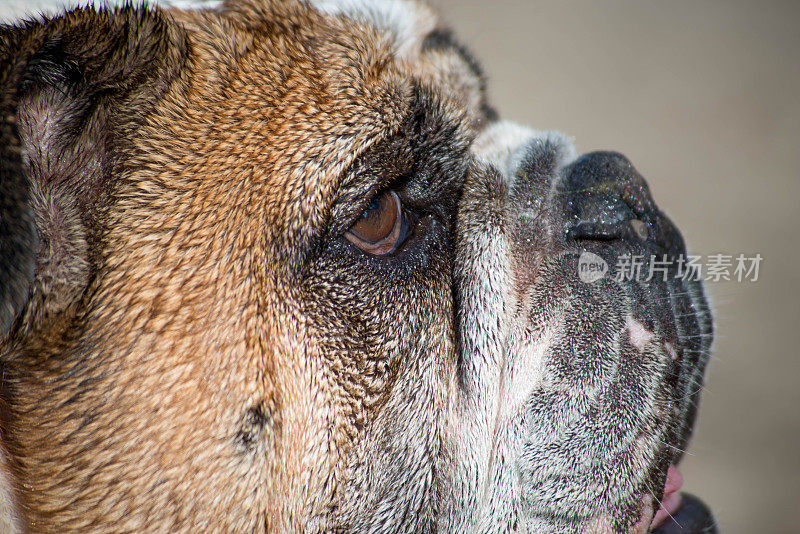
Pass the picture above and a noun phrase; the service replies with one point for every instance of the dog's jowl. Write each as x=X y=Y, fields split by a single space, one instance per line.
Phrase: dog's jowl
x=277 y=266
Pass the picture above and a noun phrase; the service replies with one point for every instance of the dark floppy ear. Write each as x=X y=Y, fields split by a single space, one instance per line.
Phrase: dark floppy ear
x=73 y=90
x=18 y=238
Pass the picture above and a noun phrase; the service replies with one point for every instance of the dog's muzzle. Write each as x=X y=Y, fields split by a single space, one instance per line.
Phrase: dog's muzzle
x=589 y=345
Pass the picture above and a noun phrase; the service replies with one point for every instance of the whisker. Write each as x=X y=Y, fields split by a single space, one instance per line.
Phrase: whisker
x=650 y=489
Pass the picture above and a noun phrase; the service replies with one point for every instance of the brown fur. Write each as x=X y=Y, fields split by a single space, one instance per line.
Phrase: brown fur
x=188 y=342
x=168 y=318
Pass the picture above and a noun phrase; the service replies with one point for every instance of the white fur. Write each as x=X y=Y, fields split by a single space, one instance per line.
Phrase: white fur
x=504 y=144
x=406 y=22
x=9 y=519
x=638 y=334
x=503 y=366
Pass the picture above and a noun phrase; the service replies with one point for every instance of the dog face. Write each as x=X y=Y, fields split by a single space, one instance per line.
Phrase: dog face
x=278 y=266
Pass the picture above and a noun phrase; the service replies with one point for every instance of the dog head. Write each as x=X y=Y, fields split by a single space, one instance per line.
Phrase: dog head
x=279 y=266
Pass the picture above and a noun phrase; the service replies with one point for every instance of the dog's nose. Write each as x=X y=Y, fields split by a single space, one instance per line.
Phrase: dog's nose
x=604 y=198
x=608 y=210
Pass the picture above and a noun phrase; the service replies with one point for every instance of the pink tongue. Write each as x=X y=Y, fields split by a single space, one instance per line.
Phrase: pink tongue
x=672 y=499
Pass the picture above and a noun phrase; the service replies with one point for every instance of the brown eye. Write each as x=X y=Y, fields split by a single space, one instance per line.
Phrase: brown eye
x=379 y=230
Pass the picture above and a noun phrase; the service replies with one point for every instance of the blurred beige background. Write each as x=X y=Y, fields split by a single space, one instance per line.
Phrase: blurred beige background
x=704 y=98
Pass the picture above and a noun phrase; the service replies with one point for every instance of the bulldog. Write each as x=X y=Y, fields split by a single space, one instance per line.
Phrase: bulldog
x=278 y=266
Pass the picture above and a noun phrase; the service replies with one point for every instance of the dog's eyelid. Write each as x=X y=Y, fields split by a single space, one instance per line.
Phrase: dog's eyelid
x=353 y=198
x=358 y=188
x=393 y=163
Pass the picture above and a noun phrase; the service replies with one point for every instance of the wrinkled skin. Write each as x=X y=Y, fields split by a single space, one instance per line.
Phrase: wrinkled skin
x=597 y=381
x=189 y=341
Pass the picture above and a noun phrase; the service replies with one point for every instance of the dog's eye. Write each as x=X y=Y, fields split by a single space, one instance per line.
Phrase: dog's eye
x=382 y=228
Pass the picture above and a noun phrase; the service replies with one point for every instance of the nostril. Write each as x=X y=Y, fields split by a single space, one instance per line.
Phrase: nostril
x=640 y=228
x=604 y=198
x=603 y=219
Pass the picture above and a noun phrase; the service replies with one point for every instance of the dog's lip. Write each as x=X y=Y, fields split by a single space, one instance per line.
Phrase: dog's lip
x=671 y=501
x=681 y=513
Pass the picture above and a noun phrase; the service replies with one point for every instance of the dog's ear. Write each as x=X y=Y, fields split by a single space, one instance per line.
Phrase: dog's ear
x=73 y=89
